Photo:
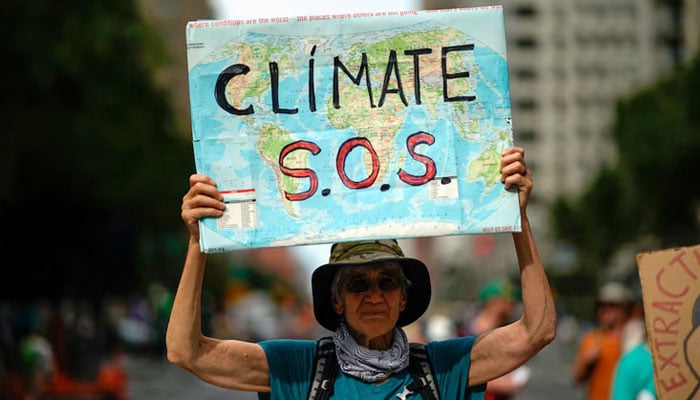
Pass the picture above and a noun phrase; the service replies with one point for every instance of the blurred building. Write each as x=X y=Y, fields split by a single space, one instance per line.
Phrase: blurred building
x=570 y=61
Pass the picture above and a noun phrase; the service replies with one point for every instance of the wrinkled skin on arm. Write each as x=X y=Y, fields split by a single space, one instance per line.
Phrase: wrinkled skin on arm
x=503 y=349
x=242 y=365
x=232 y=364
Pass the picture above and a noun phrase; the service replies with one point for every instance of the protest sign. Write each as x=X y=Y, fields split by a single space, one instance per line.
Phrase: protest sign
x=671 y=294
x=373 y=125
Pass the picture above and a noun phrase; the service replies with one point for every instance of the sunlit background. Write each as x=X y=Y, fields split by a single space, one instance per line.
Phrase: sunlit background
x=97 y=153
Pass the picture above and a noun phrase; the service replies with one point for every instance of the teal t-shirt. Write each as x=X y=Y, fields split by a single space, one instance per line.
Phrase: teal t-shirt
x=634 y=376
x=291 y=365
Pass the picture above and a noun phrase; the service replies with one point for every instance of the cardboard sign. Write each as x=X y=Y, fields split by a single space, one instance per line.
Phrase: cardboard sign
x=330 y=128
x=671 y=293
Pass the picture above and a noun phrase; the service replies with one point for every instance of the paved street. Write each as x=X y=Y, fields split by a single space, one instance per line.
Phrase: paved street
x=156 y=379
x=550 y=378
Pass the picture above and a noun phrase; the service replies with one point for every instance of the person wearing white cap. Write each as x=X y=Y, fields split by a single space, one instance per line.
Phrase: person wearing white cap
x=600 y=348
x=366 y=293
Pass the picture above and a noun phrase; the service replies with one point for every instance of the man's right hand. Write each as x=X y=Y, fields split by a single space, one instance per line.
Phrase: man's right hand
x=201 y=200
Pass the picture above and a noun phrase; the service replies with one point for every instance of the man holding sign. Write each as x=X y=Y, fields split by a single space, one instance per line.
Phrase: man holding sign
x=365 y=295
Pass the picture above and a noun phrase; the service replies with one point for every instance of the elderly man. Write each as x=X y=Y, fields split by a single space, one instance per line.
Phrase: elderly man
x=365 y=294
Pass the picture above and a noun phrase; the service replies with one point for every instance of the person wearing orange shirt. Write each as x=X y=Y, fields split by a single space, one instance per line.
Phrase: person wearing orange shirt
x=600 y=349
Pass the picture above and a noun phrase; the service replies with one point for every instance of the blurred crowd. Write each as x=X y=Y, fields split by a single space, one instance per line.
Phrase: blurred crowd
x=52 y=350
x=76 y=349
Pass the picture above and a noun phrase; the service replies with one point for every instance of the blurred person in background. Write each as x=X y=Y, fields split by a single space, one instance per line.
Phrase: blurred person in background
x=498 y=300
x=634 y=374
x=366 y=294
x=37 y=362
x=439 y=327
x=600 y=349
x=634 y=330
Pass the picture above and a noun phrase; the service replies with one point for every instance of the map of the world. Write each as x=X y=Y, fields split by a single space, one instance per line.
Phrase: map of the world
x=329 y=128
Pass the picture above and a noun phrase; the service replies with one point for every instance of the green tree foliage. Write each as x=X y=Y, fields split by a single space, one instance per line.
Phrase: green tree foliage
x=93 y=168
x=652 y=191
x=658 y=136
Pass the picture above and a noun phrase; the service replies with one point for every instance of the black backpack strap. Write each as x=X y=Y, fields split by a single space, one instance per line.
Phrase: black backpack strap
x=422 y=372
x=325 y=370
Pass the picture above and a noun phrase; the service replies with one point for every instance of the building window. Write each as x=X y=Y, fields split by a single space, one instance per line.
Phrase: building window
x=526 y=104
x=526 y=43
x=525 y=11
x=525 y=135
x=526 y=73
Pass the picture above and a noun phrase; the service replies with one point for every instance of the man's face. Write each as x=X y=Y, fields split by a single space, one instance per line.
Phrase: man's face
x=504 y=308
x=371 y=299
x=611 y=315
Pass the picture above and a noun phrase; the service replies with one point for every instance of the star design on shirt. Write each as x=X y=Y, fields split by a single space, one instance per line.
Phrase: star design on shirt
x=405 y=393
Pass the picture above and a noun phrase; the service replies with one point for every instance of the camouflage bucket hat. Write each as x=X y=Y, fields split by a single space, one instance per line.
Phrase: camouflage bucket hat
x=368 y=252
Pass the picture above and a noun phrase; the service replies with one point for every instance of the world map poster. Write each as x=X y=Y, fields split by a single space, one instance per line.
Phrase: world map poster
x=328 y=128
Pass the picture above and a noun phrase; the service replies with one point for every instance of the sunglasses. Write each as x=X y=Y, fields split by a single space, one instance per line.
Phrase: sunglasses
x=361 y=285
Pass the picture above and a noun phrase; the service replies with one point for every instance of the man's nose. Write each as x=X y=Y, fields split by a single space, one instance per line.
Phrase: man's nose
x=374 y=292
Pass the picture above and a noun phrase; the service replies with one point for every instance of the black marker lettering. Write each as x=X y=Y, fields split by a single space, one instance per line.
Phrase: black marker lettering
x=220 y=89
x=446 y=76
